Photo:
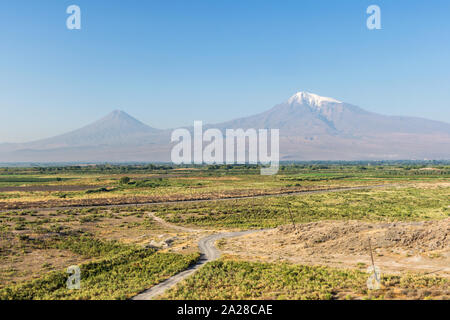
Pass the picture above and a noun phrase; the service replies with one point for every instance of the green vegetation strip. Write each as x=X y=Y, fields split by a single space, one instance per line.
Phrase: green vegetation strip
x=233 y=280
x=122 y=272
x=402 y=204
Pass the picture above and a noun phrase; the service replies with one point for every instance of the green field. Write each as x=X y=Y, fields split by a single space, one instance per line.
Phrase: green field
x=120 y=272
x=100 y=184
x=387 y=204
x=111 y=244
x=235 y=280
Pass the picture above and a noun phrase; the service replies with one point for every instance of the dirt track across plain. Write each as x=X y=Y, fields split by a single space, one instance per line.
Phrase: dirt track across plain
x=143 y=204
x=208 y=252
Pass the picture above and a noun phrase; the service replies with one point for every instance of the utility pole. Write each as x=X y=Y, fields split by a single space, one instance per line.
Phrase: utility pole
x=371 y=254
x=290 y=213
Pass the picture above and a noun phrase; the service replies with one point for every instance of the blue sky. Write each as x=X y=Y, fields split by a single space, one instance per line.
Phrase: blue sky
x=169 y=63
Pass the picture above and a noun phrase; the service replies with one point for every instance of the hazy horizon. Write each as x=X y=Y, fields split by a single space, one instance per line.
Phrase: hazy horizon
x=173 y=127
x=170 y=63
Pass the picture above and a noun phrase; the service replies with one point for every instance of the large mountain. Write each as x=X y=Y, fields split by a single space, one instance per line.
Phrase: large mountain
x=309 y=114
x=116 y=137
x=311 y=128
x=117 y=128
x=320 y=128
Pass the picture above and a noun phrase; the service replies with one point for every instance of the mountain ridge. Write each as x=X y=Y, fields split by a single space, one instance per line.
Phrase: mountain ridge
x=311 y=128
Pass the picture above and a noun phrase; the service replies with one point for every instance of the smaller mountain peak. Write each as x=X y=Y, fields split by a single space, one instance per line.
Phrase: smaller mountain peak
x=118 y=116
x=311 y=99
x=118 y=112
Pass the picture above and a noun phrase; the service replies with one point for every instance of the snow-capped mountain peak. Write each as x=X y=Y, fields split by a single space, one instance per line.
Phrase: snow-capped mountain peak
x=310 y=99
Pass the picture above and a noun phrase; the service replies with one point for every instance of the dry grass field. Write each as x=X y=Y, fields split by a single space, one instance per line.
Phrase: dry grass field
x=130 y=227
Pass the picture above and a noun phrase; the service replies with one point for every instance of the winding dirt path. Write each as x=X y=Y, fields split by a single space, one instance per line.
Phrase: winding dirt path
x=173 y=226
x=208 y=252
x=206 y=245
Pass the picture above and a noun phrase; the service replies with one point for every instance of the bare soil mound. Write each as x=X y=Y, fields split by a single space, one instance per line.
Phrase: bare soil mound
x=352 y=236
x=422 y=247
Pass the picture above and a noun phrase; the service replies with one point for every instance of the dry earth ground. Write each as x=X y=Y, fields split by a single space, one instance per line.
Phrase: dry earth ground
x=419 y=247
x=20 y=261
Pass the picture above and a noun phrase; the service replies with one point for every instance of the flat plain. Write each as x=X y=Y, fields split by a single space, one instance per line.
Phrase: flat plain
x=131 y=227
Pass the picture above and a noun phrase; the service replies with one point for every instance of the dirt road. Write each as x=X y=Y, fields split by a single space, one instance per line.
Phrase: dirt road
x=141 y=204
x=173 y=226
x=208 y=252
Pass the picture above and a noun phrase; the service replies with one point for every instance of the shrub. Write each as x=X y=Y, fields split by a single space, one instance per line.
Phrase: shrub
x=124 y=180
